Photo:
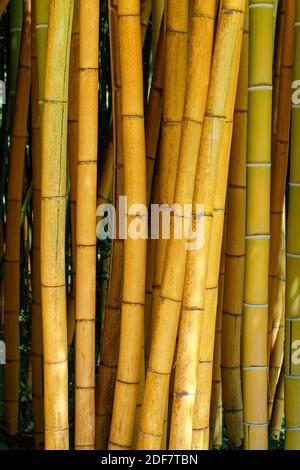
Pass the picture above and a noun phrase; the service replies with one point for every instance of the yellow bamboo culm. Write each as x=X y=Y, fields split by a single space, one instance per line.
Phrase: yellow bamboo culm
x=13 y=222
x=255 y=323
x=235 y=259
x=202 y=20
x=278 y=409
x=36 y=329
x=145 y=16
x=280 y=156
x=53 y=186
x=72 y=161
x=176 y=28
x=156 y=19
x=276 y=358
x=292 y=319
x=164 y=339
x=111 y=328
x=133 y=298
x=85 y=304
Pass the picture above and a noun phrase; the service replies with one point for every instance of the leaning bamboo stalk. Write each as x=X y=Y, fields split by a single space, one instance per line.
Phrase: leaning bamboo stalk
x=145 y=16
x=200 y=54
x=36 y=328
x=3 y=5
x=216 y=408
x=205 y=365
x=188 y=410
x=12 y=254
x=73 y=157
x=133 y=297
x=292 y=318
x=176 y=28
x=171 y=292
x=234 y=263
x=156 y=20
x=281 y=152
x=255 y=360
x=278 y=409
x=85 y=304
x=53 y=186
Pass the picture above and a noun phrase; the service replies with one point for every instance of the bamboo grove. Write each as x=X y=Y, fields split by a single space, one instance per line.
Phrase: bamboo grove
x=147 y=114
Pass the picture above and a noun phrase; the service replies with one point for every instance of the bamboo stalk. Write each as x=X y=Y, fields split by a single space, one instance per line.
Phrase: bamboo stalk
x=281 y=152
x=36 y=328
x=156 y=18
x=292 y=332
x=216 y=408
x=85 y=304
x=278 y=409
x=160 y=363
x=176 y=28
x=145 y=16
x=133 y=297
x=255 y=360
x=111 y=329
x=12 y=254
x=54 y=161
x=277 y=348
x=73 y=158
x=235 y=253
x=3 y=5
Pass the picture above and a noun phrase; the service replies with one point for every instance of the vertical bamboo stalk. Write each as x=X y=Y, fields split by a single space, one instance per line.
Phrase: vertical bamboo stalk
x=234 y=263
x=281 y=152
x=36 y=328
x=145 y=16
x=292 y=319
x=255 y=360
x=111 y=329
x=133 y=298
x=85 y=305
x=14 y=203
x=53 y=213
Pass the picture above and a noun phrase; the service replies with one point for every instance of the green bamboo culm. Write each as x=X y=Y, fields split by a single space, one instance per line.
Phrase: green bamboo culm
x=255 y=357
